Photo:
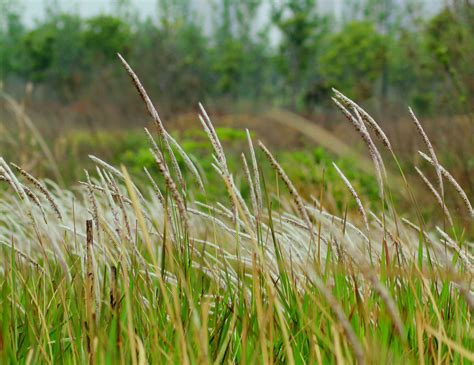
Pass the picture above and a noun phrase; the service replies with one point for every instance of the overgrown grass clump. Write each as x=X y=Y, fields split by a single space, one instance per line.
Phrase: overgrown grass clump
x=173 y=269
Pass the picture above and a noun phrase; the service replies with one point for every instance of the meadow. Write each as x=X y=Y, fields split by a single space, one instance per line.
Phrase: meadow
x=163 y=256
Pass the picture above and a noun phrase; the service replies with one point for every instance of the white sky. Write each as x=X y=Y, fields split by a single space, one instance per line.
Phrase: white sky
x=34 y=9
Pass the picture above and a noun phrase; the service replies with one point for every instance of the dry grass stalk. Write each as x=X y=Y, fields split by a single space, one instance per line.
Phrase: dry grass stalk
x=141 y=90
x=210 y=130
x=354 y=194
x=121 y=203
x=464 y=255
x=332 y=218
x=222 y=169
x=372 y=144
x=419 y=230
x=172 y=187
x=396 y=241
x=110 y=202
x=216 y=145
x=367 y=118
x=116 y=173
x=248 y=217
x=15 y=184
x=373 y=152
x=174 y=162
x=453 y=182
x=221 y=166
x=256 y=177
x=188 y=162
x=102 y=190
x=89 y=292
x=6 y=178
x=438 y=198
x=155 y=187
x=156 y=118
x=107 y=166
x=41 y=188
x=176 y=169
x=294 y=193
x=36 y=201
x=251 y=186
x=92 y=202
x=430 y=148
x=161 y=199
x=227 y=178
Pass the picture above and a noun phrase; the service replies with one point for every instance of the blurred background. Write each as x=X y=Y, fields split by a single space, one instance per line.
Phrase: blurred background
x=267 y=65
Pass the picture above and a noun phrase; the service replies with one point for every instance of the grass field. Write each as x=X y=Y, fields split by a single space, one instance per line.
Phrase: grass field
x=226 y=260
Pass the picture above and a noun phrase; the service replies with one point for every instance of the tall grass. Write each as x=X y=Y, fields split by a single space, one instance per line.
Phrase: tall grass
x=114 y=272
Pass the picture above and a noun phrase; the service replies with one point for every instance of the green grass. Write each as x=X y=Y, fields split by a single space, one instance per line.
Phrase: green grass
x=44 y=318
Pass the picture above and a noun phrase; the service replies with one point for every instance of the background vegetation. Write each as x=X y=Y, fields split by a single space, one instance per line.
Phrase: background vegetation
x=387 y=51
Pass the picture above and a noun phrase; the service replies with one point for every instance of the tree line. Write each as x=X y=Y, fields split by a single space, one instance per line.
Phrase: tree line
x=384 y=51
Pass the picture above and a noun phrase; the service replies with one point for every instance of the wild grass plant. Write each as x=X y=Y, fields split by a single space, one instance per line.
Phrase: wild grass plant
x=118 y=271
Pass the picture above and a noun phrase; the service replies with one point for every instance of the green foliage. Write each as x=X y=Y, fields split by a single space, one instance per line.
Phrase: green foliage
x=354 y=58
x=177 y=54
x=445 y=36
x=238 y=49
x=105 y=35
x=303 y=30
x=47 y=46
x=10 y=36
x=229 y=58
x=450 y=43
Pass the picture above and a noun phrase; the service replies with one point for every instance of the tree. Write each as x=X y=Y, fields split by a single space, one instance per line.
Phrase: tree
x=175 y=52
x=237 y=49
x=104 y=36
x=392 y=19
x=52 y=52
x=354 y=59
x=303 y=30
x=11 y=31
x=449 y=40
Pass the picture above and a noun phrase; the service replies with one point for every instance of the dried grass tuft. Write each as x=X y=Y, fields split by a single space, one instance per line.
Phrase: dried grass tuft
x=373 y=151
x=367 y=118
x=41 y=188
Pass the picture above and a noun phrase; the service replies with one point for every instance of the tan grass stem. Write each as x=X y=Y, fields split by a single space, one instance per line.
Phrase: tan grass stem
x=291 y=188
x=438 y=197
x=367 y=118
x=41 y=188
x=431 y=150
x=373 y=152
x=351 y=189
x=453 y=182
